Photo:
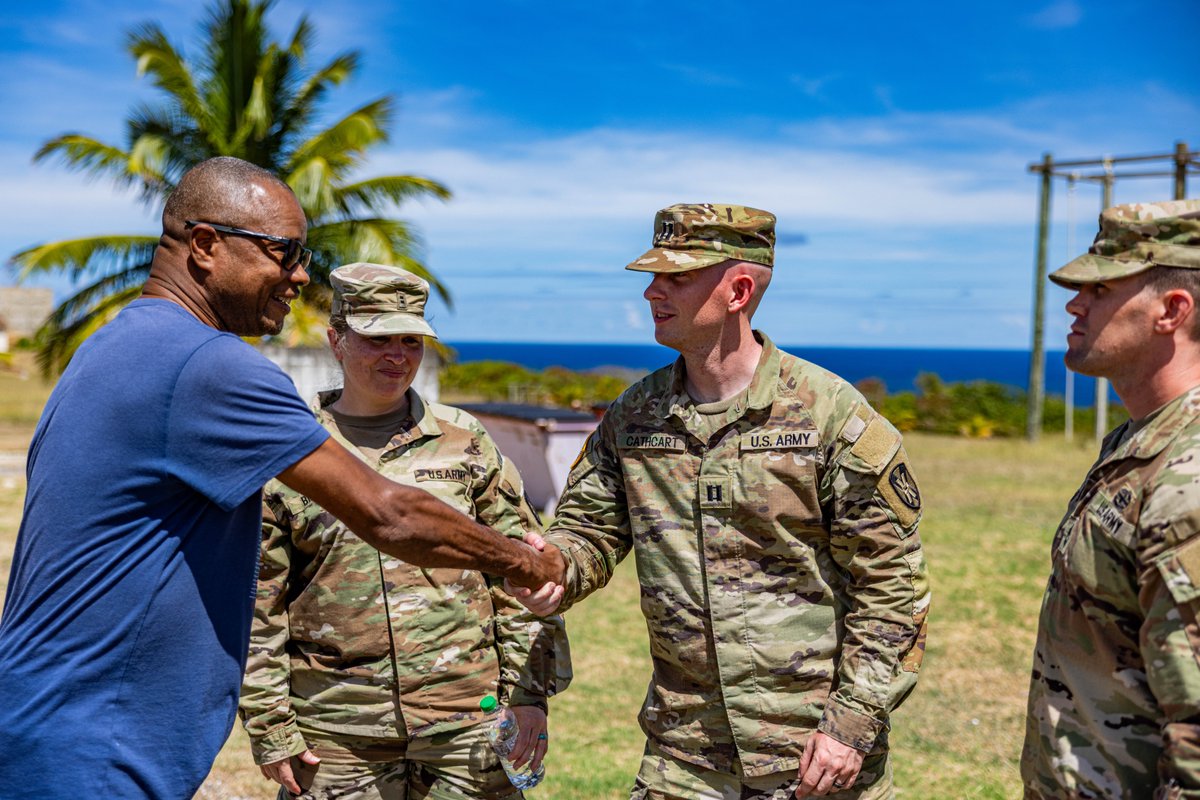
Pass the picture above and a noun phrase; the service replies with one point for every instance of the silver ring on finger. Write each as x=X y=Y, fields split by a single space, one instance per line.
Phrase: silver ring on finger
x=839 y=784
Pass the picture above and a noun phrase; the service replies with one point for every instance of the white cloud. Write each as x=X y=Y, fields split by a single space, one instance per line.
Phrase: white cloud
x=565 y=188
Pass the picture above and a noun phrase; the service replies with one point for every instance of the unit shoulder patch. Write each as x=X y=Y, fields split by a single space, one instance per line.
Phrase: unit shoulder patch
x=899 y=490
x=905 y=486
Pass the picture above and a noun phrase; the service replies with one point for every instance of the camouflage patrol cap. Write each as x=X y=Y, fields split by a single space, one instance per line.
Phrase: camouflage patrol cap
x=690 y=236
x=378 y=300
x=1133 y=238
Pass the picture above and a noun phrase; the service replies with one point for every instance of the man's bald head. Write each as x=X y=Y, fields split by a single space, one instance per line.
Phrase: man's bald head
x=225 y=190
x=231 y=281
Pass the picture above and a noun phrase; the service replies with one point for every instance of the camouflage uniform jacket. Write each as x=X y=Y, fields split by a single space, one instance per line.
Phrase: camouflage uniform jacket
x=781 y=573
x=1114 y=702
x=346 y=640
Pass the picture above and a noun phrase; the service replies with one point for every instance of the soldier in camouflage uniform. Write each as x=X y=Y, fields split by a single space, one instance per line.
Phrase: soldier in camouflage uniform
x=1114 y=701
x=363 y=668
x=774 y=517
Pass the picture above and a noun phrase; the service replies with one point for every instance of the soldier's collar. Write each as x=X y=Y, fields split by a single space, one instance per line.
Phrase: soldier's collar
x=766 y=375
x=760 y=394
x=418 y=424
x=426 y=421
x=1159 y=428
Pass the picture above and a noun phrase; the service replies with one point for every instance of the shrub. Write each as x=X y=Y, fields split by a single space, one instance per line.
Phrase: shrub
x=978 y=409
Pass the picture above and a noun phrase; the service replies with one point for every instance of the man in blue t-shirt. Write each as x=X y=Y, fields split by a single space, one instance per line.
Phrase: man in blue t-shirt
x=126 y=621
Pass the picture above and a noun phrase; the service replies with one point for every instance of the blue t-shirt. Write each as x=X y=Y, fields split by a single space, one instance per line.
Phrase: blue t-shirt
x=128 y=610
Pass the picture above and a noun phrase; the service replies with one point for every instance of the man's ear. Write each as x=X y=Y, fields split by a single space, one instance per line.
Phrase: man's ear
x=1178 y=306
x=741 y=292
x=202 y=247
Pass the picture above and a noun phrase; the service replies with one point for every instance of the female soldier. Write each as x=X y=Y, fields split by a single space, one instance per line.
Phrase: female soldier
x=365 y=673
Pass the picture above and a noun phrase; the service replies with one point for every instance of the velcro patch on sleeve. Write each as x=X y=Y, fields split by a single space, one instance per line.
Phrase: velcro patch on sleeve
x=585 y=463
x=1180 y=570
x=877 y=444
x=853 y=429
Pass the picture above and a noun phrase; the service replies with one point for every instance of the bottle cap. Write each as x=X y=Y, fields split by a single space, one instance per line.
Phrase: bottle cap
x=488 y=704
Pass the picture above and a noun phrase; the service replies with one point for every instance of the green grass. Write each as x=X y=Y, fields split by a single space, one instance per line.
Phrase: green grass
x=991 y=508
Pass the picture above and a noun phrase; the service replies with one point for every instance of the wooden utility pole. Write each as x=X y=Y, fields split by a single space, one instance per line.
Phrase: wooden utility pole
x=1037 y=359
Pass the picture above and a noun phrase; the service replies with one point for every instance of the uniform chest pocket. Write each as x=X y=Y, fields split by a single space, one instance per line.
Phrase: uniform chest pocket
x=1095 y=548
x=781 y=482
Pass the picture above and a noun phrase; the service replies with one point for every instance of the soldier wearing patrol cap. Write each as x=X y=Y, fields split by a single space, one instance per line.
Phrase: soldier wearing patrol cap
x=365 y=672
x=1114 y=700
x=774 y=516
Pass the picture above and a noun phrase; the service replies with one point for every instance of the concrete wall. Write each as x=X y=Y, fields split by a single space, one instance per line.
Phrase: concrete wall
x=24 y=309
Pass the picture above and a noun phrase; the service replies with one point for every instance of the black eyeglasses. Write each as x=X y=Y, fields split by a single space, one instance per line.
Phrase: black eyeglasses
x=297 y=255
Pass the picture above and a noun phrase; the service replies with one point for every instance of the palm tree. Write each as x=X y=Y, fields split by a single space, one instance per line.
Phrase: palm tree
x=249 y=97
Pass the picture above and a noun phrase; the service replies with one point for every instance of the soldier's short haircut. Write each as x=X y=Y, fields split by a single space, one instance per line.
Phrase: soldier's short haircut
x=1163 y=279
x=216 y=190
x=762 y=279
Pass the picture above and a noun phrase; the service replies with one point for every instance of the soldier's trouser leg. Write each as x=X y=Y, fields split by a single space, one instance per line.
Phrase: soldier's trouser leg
x=663 y=777
x=451 y=766
x=457 y=765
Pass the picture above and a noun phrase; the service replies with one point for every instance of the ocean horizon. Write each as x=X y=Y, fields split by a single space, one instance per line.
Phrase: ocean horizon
x=896 y=367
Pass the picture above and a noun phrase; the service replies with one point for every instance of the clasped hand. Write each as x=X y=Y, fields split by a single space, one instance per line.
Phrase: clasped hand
x=544 y=600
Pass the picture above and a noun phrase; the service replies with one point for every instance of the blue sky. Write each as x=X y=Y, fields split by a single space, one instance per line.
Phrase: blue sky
x=890 y=139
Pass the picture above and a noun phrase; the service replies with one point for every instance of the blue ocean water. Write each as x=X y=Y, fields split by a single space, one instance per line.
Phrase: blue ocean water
x=896 y=367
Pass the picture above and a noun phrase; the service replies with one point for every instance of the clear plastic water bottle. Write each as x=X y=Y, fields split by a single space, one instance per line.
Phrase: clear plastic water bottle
x=501 y=729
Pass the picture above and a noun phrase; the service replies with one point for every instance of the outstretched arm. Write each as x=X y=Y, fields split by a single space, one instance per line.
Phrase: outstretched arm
x=412 y=524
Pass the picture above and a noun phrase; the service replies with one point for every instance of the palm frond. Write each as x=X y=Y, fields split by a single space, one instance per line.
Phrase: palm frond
x=244 y=95
x=103 y=255
x=59 y=337
x=313 y=186
x=287 y=77
x=235 y=45
x=157 y=58
x=80 y=304
x=302 y=38
x=309 y=96
x=256 y=117
x=369 y=195
x=376 y=240
x=342 y=143
x=90 y=155
x=162 y=143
